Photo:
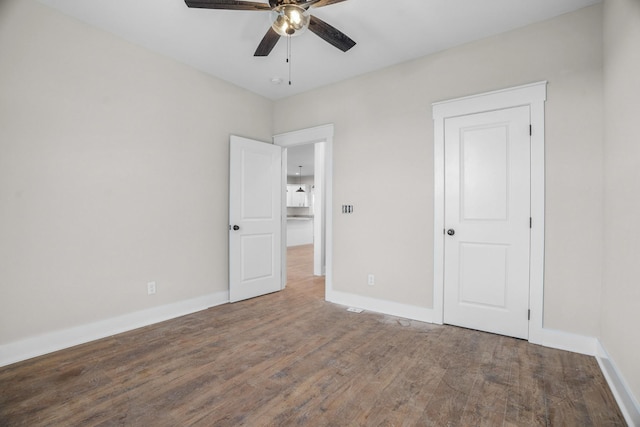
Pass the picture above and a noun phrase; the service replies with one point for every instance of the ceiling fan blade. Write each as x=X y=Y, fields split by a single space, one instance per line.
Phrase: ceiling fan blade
x=227 y=4
x=321 y=3
x=268 y=43
x=330 y=34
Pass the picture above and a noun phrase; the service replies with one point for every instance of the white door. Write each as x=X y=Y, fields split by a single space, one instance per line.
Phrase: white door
x=255 y=230
x=487 y=221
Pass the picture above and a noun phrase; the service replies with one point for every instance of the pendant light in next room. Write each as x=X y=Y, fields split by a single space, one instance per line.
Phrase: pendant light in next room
x=300 y=190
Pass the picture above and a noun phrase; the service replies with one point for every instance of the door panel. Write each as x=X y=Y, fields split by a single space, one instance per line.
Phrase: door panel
x=484 y=173
x=255 y=192
x=487 y=209
x=483 y=273
x=258 y=250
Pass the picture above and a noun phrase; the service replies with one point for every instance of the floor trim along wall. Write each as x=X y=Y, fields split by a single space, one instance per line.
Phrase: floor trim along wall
x=548 y=337
x=407 y=311
x=37 y=346
x=628 y=404
x=566 y=341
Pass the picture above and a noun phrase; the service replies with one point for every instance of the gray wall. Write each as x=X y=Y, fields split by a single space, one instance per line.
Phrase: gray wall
x=113 y=173
x=621 y=286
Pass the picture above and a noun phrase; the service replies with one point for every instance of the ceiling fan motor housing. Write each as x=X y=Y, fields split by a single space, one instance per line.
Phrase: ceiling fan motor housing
x=290 y=19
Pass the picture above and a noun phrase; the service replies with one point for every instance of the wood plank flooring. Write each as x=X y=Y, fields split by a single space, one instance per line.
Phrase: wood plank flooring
x=292 y=359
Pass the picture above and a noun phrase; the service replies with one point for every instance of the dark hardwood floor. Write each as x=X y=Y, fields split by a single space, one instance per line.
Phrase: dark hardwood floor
x=290 y=358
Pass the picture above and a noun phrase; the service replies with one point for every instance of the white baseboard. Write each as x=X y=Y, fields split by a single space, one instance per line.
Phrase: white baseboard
x=545 y=337
x=407 y=311
x=628 y=403
x=37 y=346
x=565 y=341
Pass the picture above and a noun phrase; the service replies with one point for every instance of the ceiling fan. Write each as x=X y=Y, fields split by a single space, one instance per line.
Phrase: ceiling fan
x=291 y=18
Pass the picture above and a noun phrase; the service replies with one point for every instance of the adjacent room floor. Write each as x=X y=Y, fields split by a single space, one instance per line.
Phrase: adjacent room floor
x=290 y=358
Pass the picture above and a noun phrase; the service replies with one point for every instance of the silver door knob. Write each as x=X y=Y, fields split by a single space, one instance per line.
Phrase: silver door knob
x=451 y=232
x=236 y=227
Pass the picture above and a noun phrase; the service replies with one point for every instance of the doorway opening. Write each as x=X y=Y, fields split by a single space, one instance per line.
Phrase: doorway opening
x=301 y=204
x=308 y=212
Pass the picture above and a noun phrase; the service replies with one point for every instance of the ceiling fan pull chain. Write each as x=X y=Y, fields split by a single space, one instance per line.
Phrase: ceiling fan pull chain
x=289 y=57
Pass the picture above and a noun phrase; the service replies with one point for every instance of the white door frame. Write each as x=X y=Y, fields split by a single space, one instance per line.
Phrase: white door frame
x=534 y=95
x=313 y=135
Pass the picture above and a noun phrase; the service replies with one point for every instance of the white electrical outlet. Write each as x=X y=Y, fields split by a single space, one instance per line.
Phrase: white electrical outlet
x=151 y=288
x=371 y=280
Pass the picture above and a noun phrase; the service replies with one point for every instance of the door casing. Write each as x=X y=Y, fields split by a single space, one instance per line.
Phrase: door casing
x=533 y=95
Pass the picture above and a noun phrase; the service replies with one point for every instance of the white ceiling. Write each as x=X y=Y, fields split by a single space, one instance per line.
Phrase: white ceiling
x=387 y=32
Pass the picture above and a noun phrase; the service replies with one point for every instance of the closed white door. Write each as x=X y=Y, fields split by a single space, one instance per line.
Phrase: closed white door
x=487 y=221
x=255 y=230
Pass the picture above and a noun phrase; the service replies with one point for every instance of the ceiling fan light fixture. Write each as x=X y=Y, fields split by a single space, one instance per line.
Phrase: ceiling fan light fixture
x=290 y=20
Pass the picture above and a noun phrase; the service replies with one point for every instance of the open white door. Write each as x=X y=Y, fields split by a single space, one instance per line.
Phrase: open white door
x=255 y=192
